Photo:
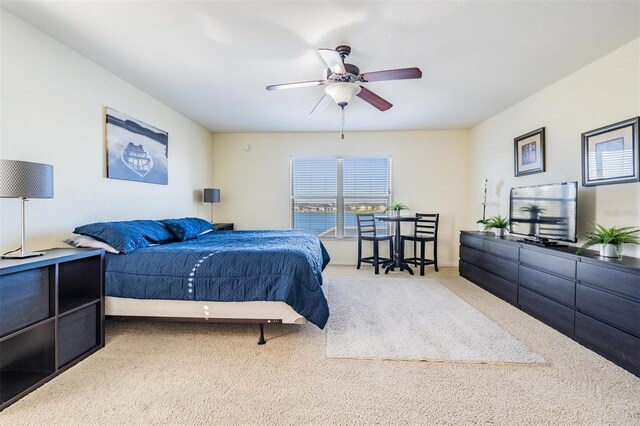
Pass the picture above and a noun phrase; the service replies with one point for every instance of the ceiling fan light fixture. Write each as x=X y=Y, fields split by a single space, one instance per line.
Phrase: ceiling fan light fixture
x=342 y=93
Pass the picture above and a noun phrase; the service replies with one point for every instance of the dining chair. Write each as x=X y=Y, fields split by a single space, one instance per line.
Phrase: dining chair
x=367 y=232
x=425 y=231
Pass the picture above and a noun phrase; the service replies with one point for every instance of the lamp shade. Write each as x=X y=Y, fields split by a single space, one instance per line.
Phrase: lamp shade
x=23 y=179
x=211 y=195
x=342 y=92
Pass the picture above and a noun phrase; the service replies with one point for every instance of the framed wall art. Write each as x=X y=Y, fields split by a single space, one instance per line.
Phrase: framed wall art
x=529 y=153
x=135 y=150
x=610 y=154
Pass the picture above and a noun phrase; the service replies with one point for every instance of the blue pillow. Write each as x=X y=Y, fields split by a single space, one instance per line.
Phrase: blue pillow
x=127 y=236
x=187 y=228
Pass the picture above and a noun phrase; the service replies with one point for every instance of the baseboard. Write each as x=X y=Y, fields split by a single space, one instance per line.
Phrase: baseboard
x=342 y=263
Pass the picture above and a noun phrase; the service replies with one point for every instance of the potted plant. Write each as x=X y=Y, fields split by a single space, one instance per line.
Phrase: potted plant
x=498 y=224
x=610 y=240
x=396 y=207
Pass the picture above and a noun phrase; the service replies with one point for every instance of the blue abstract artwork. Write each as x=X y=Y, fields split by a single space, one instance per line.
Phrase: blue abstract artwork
x=135 y=150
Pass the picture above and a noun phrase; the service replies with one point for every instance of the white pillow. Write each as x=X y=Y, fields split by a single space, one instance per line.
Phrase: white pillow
x=89 y=242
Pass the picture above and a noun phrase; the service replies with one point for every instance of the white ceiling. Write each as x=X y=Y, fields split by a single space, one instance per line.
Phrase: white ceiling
x=212 y=60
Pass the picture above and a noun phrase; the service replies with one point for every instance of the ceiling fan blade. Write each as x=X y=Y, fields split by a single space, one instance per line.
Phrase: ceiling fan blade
x=333 y=60
x=322 y=104
x=295 y=85
x=375 y=100
x=399 y=74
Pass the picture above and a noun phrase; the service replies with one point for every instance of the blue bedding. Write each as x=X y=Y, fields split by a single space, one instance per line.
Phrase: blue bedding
x=227 y=266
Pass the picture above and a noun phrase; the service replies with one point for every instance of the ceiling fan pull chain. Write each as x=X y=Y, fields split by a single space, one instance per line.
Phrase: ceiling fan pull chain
x=342 y=122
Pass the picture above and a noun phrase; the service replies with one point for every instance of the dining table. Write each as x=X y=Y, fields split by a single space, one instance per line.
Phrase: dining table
x=397 y=261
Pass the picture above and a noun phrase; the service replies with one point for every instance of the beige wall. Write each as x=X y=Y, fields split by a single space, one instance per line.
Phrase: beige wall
x=51 y=107
x=429 y=175
x=604 y=92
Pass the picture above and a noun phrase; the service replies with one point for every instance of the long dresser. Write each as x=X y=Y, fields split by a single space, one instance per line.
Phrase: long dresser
x=593 y=300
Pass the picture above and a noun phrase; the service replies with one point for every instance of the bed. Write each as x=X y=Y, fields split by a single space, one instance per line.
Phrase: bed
x=233 y=276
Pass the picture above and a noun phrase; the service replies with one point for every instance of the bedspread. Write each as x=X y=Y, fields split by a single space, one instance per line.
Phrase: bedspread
x=234 y=266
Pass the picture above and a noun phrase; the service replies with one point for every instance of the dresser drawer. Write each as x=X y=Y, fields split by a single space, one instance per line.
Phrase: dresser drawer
x=547 y=262
x=502 y=288
x=608 y=279
x=556 y=288
x=471 y=241
x=618 y=311
x=501 y=249
x=471 y=272
x=552 y=313
x=609 y=341
x=471 y=256
x=503 y=268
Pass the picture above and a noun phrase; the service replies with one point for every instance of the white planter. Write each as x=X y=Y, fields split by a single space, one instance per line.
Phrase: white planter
x=608 y=250
x=499 y=232
x=481 y=227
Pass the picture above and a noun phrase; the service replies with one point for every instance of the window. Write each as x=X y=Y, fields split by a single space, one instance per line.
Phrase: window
x=327 y=192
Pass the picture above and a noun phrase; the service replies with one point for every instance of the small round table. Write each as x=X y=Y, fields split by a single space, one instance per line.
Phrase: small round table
x=397 y=241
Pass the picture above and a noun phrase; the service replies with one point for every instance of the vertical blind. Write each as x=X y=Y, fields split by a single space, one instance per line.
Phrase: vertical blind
x=327 y=192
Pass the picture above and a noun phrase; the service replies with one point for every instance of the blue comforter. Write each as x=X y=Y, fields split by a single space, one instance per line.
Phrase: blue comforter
x=227 y=266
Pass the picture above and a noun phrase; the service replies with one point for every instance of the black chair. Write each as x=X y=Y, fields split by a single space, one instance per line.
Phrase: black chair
x=367 y=232
x=425 y=231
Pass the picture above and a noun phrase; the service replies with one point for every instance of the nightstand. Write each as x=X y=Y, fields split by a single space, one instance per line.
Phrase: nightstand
x=224 y=226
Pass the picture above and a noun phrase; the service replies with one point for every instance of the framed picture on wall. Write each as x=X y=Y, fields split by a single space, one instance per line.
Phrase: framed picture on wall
x=135 y=150
x=529 y=153
x=610 y=154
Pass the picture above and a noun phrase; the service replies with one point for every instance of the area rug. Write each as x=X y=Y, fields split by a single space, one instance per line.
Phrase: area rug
x=383 y=317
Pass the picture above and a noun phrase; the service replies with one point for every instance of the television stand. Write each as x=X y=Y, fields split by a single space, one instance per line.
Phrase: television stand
x=542 y=242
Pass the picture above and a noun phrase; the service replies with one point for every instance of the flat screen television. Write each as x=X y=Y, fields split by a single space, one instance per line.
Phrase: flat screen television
x=545 y=213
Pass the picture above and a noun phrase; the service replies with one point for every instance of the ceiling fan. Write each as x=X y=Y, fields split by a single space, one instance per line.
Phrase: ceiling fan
x=343 y=80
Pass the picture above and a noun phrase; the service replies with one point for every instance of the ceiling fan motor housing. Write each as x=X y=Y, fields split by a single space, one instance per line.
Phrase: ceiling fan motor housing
x=350 y=77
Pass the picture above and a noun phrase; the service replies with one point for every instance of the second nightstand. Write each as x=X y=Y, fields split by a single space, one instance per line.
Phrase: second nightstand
x=224 y=226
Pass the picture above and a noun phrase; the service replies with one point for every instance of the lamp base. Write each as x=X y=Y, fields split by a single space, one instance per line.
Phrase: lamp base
x=20 y=255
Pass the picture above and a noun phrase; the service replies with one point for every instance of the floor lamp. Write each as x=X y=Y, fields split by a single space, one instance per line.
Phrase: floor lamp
x=24 y=180
x=211 y=195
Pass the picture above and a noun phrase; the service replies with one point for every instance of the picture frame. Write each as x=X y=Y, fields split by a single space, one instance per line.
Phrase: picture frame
x=529 y=153
x=136 y=151
x=610 y=154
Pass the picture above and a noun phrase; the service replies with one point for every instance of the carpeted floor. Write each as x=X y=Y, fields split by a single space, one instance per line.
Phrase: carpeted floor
x=178 y=373
x=376 y=317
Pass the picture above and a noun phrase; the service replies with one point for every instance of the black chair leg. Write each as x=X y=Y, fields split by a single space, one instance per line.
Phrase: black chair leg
x=435 y=255
x=375 y=257
x=422 y=254
x=359 y=253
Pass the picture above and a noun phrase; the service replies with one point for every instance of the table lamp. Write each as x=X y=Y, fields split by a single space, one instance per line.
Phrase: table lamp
x=211 y=195
x=24 y=180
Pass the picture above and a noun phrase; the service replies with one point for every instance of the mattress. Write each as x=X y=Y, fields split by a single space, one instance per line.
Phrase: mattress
x=268 y=311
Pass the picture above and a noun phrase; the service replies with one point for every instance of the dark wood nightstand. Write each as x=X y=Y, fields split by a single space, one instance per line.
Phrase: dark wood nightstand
x=224 y=226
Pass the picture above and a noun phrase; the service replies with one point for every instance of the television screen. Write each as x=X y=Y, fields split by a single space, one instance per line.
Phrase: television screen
x=547 y=212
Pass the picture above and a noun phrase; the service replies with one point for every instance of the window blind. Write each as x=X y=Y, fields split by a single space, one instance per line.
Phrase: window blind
x=327 y=192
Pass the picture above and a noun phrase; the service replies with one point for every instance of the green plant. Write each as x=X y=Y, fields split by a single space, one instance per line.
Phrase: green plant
x=483 y=221
x=498 y=222
x=397 y=206
x=613 y=235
